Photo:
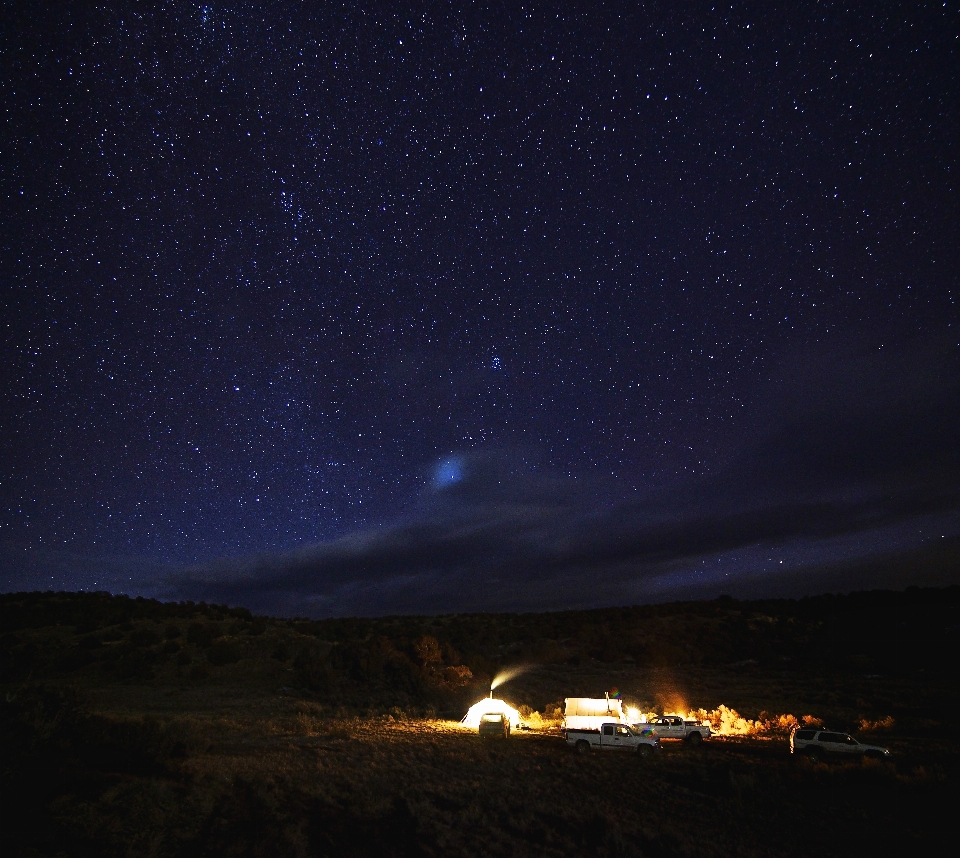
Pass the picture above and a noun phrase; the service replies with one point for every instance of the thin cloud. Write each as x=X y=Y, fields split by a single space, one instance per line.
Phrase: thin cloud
x=854 y=444
x=860 y=455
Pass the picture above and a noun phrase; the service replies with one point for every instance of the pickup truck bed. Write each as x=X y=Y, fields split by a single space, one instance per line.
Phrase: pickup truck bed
x=613 y=737
x=675 y=727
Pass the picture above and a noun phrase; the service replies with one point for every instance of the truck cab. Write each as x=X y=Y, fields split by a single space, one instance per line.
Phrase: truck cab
x=612 y=737
x=676 y=727
x=667 y=725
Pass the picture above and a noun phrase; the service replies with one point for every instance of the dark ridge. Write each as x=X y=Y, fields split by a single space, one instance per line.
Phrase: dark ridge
x=879 y=630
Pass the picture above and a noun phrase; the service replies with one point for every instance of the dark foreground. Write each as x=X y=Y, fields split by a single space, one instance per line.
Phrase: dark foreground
x=116 y=742
x=277 y=780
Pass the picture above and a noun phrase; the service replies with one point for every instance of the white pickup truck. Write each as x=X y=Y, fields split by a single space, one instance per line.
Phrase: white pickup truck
x=675 y=727
x=612 y=737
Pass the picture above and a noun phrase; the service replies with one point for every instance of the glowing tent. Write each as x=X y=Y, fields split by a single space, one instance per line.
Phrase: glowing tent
x=490 y=704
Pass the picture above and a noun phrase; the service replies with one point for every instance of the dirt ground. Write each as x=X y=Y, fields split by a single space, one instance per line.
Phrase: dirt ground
x=145 y=738
x=277 y=775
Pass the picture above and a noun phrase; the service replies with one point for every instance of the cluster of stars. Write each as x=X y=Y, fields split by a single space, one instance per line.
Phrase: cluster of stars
x=264 y=271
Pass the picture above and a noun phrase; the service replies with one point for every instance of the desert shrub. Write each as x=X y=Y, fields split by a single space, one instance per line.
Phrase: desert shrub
x=224 y=652
x=315 y=672
x=90 y=642
x=243 y=821
x=428 y=650
x=450 y=654
x=531 y=717
x=456 y=676
x=307 y=725
x=54 y=721
x=400 y=673
x=74 y=659
x=203 y=634
x=140 y=745
x=170 y=647
x=199 y=672
x=144 y=637
x=17 y=659
x=430 y=655
x=171 y=631
x=879 y=726
x=86 y=625
x=553 y=711
x=62 y=766
x=134 y=664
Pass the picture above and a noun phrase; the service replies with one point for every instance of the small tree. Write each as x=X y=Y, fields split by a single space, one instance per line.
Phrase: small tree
x=456 y=676
x=428 y=651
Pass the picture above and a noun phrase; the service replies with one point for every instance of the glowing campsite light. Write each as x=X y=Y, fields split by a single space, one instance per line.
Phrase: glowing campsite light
x=490 y=705
x=725 y=721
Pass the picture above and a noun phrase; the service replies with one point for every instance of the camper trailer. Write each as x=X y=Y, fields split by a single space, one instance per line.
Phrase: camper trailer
x=588 y=713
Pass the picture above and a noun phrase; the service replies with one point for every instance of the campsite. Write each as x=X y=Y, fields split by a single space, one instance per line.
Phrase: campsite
x=258 y=736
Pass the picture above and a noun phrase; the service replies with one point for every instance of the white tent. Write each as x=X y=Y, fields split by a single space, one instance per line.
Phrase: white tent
x=490 y=704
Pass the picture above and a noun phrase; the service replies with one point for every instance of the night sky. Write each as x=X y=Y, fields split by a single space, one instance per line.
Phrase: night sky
x=382 y=308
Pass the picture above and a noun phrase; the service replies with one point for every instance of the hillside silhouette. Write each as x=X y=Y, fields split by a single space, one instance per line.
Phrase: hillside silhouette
x=130 y=726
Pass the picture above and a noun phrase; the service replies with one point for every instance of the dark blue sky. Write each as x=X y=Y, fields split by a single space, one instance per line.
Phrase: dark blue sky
x=364 y=308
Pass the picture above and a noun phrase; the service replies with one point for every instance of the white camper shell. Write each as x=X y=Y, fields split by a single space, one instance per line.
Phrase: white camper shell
x=589 y=713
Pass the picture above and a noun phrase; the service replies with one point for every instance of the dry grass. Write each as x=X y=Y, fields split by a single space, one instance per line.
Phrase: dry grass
x=240 y=759
x=282 y=776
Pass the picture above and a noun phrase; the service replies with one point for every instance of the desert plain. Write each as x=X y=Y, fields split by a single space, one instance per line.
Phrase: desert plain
x=132 y=727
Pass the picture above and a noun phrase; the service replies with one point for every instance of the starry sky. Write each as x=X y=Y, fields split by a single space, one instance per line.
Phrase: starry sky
x=370 y=308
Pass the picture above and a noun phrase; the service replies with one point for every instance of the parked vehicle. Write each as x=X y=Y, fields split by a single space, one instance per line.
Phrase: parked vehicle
x=613 y=737
x=675 y=727
x=494 y=725
x=816 y=743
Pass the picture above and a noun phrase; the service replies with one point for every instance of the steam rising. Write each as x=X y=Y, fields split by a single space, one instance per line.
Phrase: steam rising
x=508 y=674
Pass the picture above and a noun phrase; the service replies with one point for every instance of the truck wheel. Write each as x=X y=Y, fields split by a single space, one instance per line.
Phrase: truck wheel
x=583 y=746
x=694 y=739
x=644 y=750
